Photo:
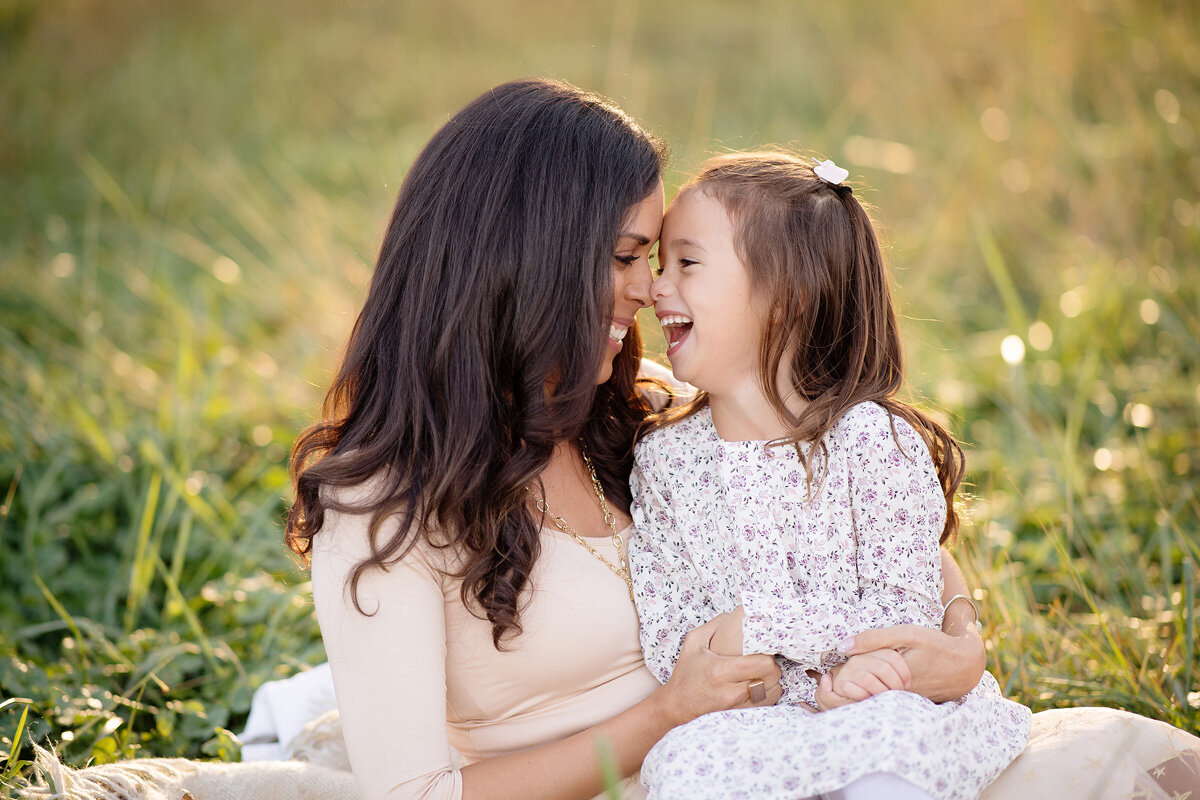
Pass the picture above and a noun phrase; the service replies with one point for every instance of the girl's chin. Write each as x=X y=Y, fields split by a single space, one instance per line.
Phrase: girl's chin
x=680 y=372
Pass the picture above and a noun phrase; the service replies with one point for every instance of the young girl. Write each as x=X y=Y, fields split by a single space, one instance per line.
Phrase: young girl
x=798 y=495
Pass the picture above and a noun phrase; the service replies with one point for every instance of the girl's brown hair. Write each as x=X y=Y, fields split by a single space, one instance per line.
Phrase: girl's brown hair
x=811 y=251
x=493 y=283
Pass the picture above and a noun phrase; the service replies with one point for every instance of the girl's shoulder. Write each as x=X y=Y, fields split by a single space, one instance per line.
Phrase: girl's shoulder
x=869 y=424
x=679 y=437
x=863 y=416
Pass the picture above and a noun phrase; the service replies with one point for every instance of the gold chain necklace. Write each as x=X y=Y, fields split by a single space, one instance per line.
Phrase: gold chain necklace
x=621 y=569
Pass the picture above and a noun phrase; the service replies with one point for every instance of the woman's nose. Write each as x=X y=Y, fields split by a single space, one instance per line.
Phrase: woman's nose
x=638 y=287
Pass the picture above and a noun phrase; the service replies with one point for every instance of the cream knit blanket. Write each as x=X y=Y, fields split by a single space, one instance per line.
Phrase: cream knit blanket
x=1095 y=753
x=180 y=779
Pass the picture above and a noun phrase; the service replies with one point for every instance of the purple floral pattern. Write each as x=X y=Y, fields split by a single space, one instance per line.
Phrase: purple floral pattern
x=726 y=523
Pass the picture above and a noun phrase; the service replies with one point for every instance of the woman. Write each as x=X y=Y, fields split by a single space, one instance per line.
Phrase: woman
x=465 y=501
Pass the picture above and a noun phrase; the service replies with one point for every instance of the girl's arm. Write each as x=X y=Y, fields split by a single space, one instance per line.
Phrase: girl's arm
x=941 y=666
x=898 y=513
x=389 y=674
x=944 y=665
x=670 y=600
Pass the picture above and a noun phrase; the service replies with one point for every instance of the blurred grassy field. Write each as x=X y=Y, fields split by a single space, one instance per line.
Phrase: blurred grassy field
x=193 y=194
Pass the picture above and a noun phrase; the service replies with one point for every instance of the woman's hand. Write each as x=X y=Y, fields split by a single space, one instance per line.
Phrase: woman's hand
x=704 y=681
x=943 y=667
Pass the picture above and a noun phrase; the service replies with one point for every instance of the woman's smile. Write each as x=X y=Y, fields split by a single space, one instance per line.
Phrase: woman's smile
x=616 y=333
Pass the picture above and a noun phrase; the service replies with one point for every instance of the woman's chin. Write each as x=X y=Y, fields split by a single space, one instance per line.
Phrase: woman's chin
x=606 y=371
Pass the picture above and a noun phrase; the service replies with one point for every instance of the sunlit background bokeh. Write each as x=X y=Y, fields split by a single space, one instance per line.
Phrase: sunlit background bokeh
x=193 y=194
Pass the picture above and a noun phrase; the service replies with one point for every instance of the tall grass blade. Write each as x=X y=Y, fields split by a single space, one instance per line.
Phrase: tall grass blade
x=1018 y=319
x=141 y=569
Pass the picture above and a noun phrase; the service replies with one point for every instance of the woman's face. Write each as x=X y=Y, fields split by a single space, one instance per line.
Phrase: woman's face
x=631 y=273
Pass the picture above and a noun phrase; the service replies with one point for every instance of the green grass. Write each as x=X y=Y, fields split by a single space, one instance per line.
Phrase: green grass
x=193 y=194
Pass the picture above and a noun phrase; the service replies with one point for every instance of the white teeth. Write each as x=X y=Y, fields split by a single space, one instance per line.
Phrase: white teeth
x=674 y=319
x=617 y=333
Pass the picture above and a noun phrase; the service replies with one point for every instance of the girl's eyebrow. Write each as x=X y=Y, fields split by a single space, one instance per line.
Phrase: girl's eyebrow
x=687 y=243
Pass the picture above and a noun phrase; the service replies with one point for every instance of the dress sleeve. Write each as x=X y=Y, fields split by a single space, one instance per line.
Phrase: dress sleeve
x=389 y=669
x=898 y=511
x=670 y=600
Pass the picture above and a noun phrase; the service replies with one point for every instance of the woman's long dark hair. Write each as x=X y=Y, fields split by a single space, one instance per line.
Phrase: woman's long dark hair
x=481 y=338
x=810 y=248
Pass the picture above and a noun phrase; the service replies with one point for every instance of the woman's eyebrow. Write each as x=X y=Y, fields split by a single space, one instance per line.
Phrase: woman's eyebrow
x=637 y=237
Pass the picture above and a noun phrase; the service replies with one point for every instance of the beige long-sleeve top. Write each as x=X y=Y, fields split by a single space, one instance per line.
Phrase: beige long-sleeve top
x=421 y=675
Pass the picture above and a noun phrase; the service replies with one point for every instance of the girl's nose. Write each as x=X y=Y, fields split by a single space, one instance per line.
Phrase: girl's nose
x=661 y=288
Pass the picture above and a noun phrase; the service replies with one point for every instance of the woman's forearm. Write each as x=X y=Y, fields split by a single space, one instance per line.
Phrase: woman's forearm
x=702 y=681
x=962 y=659
x=949 y=668
x=959 y=618
x=572 y=767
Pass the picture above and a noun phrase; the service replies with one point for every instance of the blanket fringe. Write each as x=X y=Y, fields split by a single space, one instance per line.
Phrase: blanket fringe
x=126 y=780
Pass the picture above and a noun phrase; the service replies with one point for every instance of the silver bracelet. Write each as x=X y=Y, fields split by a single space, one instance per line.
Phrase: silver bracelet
x=946 y=607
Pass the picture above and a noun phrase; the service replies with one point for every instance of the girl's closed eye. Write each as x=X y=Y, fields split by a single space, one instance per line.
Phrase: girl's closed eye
x=683 y=263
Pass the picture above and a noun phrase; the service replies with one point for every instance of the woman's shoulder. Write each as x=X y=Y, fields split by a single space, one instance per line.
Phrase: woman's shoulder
x=357 y=495
x=346 y=532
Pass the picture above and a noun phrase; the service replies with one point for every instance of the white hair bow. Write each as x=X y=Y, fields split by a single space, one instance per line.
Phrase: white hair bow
x=830 y=172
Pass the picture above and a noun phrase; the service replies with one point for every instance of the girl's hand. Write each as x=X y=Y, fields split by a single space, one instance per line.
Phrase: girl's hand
x=867 y=674
x=826 y=697
x=704 y=681
x=943 y=667
x=727 y=641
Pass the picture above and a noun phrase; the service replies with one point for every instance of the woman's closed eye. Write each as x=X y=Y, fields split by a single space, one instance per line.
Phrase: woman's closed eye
x=627 y=260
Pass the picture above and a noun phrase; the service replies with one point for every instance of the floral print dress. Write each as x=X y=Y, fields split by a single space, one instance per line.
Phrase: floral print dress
x=726 y=523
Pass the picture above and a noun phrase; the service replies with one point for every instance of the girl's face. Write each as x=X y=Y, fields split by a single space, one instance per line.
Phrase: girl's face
x=631 y=273
x=712 y=318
